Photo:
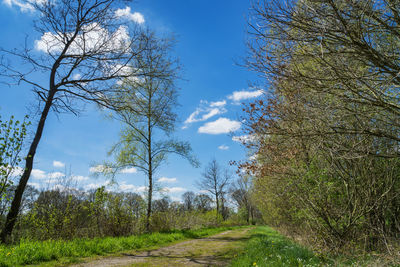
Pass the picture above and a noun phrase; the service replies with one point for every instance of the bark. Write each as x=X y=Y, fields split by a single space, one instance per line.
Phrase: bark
x=19 y=191
x=12 y=215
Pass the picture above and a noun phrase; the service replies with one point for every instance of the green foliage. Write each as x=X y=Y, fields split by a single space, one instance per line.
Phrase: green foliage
x=33 y=252
x=169 y=220
x=70 y=214
x=327 y=135
x=12 y=135
x=267 y=247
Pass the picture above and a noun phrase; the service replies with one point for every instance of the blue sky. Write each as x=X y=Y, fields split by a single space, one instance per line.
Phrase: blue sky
x=211 y=37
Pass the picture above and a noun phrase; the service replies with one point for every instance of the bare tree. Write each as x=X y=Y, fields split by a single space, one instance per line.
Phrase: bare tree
x=188 y=200
x=84 y=49
x=162 y=204
x=240 y=192
x=215 y=183
x=202 y=202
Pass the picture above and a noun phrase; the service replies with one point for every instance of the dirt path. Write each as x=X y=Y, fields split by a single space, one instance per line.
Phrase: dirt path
x=215 y=250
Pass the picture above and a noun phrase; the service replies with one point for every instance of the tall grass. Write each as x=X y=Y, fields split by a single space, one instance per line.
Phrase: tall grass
x=266 y=247
x=34 y=252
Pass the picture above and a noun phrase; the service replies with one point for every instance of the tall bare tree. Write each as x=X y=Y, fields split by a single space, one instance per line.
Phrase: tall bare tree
x=84 y=48
x=202 y=202
x=240 y=192
x=215 y=182
x=188 y=200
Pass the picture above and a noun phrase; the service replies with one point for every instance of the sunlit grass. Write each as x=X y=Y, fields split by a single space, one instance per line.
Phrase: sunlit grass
x=34 y=252
x=266 y=247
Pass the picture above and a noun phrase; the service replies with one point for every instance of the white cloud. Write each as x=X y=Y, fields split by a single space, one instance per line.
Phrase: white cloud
x=95 y=38
x=167 y=180
x=208 y=113
x=58 y=164
x=79 y=178
x=205 y=111
x=36 y=185
x=96 y=185
x=62 y=187
x=38 y=174
x=55 y=175
x=16 y=171
x=141 y=189
x=126 y=13
x=131 y=188
x=238 y=96
x=223 y=147
x=76 y=76
x=244 y=138
x=218 y=103
x=175 y=189
x=220 y=126
x=129 y=170
x=127 y=187
x=23 y=5
x=253 y=157
x=99 y=168
x=211 y=113
x=177 y=199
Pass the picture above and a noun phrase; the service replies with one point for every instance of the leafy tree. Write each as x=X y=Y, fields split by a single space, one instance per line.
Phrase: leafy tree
x=148 y=117
x=12 y=135
x=329 y=125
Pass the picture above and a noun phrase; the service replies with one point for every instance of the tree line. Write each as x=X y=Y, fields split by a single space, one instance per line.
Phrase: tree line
x=66 y=212
x=325 y=136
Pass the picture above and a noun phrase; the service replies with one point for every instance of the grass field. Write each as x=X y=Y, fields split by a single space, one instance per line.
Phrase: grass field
x=35 y=252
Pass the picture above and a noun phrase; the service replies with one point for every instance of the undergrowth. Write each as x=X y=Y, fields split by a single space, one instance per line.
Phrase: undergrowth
x=266 y=247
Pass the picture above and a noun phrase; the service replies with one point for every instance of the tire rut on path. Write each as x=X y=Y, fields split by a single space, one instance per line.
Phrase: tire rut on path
x=215 y=250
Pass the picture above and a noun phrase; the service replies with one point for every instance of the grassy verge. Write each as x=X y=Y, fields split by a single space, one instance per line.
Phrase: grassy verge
x=35 y=252
x=266 y=247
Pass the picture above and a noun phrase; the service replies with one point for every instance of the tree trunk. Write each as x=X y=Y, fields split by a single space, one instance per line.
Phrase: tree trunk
x=217 y=201
x=150 y=192
x=19 y=191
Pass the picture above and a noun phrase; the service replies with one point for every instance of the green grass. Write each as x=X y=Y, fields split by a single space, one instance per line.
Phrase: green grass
x=266 y=247
x=35 y=252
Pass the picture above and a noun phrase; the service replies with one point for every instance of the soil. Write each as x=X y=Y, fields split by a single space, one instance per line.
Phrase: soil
x=217 y=250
